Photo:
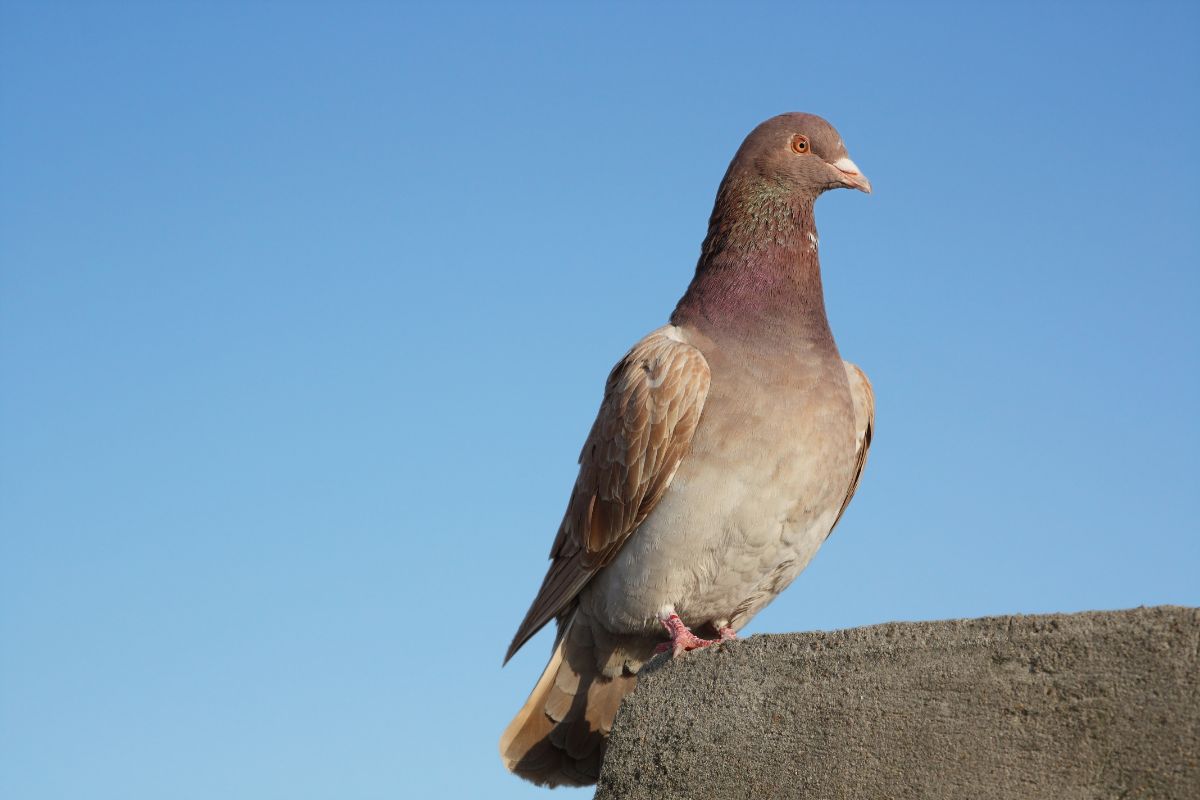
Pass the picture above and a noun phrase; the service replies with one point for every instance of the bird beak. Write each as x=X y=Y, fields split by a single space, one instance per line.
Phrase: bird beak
x=851 y=177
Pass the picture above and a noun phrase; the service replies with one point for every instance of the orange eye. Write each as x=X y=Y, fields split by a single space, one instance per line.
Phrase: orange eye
x=800 y=144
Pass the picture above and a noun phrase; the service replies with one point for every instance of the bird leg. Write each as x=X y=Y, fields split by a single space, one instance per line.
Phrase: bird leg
x=682 y=638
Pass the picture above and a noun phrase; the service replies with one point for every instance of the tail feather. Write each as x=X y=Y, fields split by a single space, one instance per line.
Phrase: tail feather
x=559 y=736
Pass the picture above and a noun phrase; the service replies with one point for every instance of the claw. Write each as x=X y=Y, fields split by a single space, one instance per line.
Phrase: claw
x=682 y=638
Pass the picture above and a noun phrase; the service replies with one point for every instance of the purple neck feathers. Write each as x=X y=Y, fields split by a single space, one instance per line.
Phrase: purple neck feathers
x=759 y=276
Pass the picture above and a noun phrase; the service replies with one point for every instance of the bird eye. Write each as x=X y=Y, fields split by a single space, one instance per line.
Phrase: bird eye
x=800 y=144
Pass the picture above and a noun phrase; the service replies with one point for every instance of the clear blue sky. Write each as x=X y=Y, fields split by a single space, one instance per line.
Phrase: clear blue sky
x=306 y=310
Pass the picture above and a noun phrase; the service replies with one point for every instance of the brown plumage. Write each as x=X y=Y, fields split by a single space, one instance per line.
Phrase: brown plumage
x=727 y=446
x=652 y=402
x=558 y=736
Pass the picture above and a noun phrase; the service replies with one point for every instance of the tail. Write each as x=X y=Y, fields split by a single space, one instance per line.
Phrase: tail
x=559 y=736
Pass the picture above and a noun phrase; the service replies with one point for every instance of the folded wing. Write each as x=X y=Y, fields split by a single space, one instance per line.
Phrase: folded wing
x=864 y=427
x=652 y=404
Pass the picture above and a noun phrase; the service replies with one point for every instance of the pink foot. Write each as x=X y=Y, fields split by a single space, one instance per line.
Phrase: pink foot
x=682 y=639
x=727 y=634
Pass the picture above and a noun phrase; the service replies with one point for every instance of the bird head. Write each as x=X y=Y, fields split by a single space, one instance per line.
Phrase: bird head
x=800 y=153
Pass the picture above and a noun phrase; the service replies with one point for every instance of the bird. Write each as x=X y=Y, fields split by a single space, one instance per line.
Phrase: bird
x=728 y=444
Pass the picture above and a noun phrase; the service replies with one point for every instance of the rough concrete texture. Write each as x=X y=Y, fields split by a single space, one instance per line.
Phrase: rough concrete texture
x=1093 y=705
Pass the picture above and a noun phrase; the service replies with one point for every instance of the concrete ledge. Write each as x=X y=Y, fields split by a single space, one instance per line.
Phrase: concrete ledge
x=1063 y=706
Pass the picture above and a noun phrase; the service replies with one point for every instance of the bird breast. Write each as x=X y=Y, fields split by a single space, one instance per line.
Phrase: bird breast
x=771 y=461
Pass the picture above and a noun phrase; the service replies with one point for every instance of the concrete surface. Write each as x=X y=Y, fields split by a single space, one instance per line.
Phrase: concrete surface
x=1062 y=706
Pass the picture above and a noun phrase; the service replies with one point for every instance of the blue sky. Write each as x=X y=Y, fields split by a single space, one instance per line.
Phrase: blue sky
x=306 y=310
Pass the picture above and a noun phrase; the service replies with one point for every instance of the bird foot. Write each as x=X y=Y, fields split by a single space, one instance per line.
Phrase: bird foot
x=682 y=638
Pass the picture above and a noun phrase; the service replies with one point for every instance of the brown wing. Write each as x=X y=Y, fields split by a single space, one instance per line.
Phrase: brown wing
x=652 y=403
x=864 y=426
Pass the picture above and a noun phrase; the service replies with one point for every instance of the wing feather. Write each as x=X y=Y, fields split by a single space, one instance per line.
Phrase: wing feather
x=652 y=404
x=864 y=427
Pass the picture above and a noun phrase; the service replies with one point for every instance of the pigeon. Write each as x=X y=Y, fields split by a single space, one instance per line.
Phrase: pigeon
x=727 y=446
